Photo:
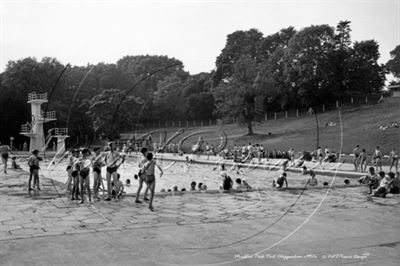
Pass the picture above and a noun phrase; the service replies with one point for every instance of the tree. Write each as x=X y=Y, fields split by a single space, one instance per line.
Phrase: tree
x=20 y=78
x=306 y=64
x=393 y=65
x=238 y=44
x=101 y=111
x=366 y=75
x=240 y=98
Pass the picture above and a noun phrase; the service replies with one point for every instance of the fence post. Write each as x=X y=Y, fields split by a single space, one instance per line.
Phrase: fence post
x=209 y=122
x=286 y=114
x=323 y=108
x=187 y=123
x=266 y=116
x=366 y=99
x=194 y=122
x=337 y=104
x=173 y=123
x=297 y=112
x=352 y=100
x=275 y=115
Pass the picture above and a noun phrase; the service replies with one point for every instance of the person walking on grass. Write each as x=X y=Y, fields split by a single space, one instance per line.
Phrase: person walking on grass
x=150 y=178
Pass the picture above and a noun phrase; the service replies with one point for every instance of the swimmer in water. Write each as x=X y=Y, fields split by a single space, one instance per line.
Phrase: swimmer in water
x=278 y=182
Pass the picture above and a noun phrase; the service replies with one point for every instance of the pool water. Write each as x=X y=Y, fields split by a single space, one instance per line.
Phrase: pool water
x=182 y=174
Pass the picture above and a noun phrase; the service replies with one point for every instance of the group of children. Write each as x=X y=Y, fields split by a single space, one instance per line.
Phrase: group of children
x=227 y=183
x=80 y=162
x=360 y=159
x=381 y=184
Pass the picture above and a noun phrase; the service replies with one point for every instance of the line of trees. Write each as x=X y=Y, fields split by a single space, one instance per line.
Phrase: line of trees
x=254 y=74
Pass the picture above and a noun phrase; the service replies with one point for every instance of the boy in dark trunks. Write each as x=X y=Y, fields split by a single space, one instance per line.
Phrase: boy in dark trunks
x=33 y=163
x=84 y=170
x=113 y=160
x=150 y=179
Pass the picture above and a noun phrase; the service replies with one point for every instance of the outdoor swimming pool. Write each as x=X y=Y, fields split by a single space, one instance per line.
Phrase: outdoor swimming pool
x=181 y=174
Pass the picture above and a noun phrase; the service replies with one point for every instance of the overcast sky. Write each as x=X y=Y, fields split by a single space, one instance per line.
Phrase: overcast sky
x=81 y=32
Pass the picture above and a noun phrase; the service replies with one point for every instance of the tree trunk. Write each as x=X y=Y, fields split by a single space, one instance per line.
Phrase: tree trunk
x=250 y=127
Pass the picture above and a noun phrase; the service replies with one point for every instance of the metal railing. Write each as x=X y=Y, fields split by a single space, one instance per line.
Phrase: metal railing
x=48 y=115
x=61 y=131
x=26 y=128
x=36 y=96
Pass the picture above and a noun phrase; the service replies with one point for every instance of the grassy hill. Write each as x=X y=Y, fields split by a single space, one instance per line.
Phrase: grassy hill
x=354 y=125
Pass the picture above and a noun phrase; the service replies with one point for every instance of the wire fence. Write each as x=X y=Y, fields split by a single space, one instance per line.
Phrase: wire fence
x=344 y=102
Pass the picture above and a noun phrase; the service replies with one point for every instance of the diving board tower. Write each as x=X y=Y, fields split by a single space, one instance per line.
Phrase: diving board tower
x=34 y=129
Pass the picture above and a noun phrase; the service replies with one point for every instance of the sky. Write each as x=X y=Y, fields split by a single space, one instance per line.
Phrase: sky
x=82 y=32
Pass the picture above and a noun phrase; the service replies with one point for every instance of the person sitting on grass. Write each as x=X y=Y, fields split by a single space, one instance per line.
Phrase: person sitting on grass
x=14 y=164
x=278 y=182
x=312 y=181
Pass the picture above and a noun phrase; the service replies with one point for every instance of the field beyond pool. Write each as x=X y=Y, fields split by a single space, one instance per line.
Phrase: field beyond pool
x=353 y=125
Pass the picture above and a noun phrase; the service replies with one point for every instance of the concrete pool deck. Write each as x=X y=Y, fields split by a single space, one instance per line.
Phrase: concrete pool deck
x=310 y=227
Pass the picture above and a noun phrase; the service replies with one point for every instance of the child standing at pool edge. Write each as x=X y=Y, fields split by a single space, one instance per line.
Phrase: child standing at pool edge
x=150 y=179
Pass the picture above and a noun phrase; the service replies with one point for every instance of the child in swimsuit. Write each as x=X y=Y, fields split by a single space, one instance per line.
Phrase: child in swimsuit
x=312 y=181
x=378 y=158
x=150 y=179
x=33 y=163
x=97 y=163
x=84 y=170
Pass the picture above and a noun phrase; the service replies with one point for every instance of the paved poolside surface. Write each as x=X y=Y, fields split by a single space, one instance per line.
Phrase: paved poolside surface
x=293 y=227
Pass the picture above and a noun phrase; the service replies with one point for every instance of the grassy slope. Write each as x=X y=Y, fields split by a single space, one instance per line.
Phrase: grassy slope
x=359 y=124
